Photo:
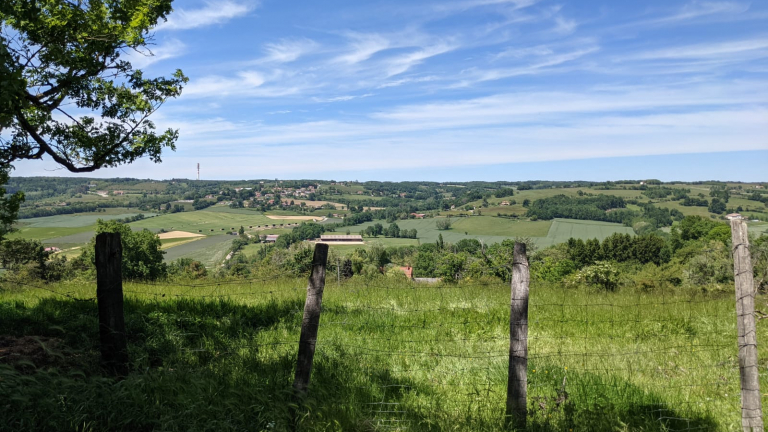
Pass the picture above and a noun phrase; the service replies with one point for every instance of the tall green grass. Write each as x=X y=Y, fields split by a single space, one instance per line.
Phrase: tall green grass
x=391 y=355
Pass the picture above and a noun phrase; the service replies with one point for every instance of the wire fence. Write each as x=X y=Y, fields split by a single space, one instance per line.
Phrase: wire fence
x=397 y=355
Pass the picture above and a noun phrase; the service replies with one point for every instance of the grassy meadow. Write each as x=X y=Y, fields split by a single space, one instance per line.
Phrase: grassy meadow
x=491 y=229
x=72 y=232
x=210 y=221
x=390 y=356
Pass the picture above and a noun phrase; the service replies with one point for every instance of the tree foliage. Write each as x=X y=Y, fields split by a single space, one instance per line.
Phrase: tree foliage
x=443 y=224
x=142 y=256
x=67 y=90
x=9 y=205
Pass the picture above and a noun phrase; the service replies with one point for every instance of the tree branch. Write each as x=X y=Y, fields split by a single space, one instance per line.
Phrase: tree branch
x=45 y=148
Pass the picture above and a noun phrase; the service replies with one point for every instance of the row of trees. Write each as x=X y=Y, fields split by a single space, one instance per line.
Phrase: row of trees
x=393 y=230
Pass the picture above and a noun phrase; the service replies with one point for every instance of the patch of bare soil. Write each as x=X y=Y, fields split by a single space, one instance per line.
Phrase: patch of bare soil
x=178 y=234
x=40 y=351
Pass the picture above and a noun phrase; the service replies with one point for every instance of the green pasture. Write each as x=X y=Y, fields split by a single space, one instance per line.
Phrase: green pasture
x=758 y=228
x=686 y=210
x=81 y=238
x=345 y=250
x=207 y=220
x=495 y=226
x=77 y=220
x=209 y=250
x=47 y=233
x=220 y=356
x=563 y=229
x=489 y=229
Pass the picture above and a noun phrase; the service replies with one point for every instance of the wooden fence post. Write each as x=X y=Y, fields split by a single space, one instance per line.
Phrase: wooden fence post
x=751 y=405
x=311 y=321
x=109 y=296
x=517 y=383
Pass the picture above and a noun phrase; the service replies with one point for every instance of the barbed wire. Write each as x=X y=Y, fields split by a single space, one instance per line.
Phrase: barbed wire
x=424 y=351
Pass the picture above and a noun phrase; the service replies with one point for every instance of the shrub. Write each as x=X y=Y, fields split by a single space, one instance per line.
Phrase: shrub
x=443 y=224
x=602 y=275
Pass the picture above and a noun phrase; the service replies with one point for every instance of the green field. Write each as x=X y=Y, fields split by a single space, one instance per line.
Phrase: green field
x=563 y=229
x=758 y=228
x=209 y=250
x=78 y=220
x=423 y=358
x=47 y=233
x=490 y=229
x=209 y=219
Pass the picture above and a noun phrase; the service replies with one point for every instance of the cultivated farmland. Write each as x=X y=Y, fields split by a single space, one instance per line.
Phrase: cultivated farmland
x=490 y=229
x=214 y=218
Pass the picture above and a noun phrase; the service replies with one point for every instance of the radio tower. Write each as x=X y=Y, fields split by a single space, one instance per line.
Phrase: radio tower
x=198 y=170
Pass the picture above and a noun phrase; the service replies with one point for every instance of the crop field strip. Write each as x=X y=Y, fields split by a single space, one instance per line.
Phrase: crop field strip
x=403 y=356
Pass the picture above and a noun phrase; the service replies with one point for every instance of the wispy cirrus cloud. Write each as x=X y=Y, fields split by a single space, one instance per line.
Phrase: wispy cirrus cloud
x=362 y=47
x=698 y=9
x=342 y=98
x=214 y=12
x=402 y=63
x=287 y=50
x=457 y=6
x=242 y=84
x=750 y=47
x=542 y=63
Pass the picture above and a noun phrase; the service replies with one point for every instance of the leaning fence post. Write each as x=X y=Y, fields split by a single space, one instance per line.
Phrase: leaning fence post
x=751 y=406
x=109 y=296
x=311 y=321
x=518 y=341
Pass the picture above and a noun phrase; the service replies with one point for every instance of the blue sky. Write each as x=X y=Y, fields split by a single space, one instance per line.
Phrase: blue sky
x=462 y=90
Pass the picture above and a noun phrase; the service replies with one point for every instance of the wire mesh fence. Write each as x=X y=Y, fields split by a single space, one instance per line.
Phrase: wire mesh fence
x=392 y=354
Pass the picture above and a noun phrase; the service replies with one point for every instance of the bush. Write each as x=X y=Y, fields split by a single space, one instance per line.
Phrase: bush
x=187 y=268
x=443 y=224
x=142 y=256
x=603 y=275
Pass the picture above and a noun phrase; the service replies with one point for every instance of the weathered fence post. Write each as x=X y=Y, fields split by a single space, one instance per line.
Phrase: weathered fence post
x=751 y=406
x=517 y=392
x=311 y=321
x=109 y=296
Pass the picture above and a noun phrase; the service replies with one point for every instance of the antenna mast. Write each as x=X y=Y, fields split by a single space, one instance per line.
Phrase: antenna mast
x=198 y=170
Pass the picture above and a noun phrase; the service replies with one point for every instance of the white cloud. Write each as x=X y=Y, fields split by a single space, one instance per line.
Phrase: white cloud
x=564 y=25
x=215 y=12
x=215 y=85
x=399 y=64
x=470 y=4
x=399 y=82
x=342 y=98
x=758 y=47
x=697 y=9
x=540 y=66
x=363 y=47
x=287 y=50
x=153 y=54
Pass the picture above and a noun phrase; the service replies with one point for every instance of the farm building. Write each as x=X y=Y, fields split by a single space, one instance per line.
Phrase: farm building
x=341 y=238
x=418 y=215
x=734 y=216
x=271 y=238
x=505 y=203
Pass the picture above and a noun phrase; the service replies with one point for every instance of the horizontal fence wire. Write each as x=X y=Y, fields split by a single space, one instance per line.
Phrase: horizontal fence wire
x=421 y=356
